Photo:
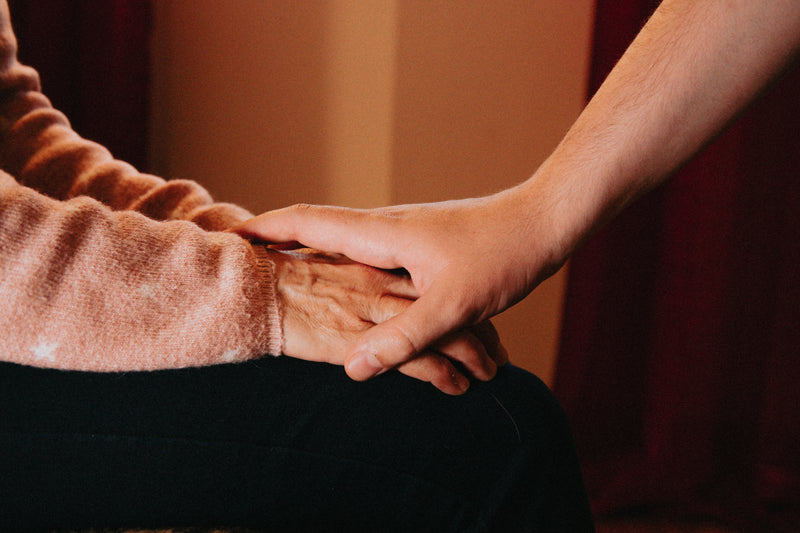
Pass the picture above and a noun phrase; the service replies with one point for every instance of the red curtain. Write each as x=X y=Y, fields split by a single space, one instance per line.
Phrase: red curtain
x=93 y=58
x=680 y=352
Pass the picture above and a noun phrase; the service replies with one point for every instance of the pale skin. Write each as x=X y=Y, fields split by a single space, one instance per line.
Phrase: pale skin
x=694 y=66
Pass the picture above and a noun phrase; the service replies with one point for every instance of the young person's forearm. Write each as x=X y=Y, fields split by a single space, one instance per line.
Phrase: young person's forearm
x=691 y=70
x=694 y=66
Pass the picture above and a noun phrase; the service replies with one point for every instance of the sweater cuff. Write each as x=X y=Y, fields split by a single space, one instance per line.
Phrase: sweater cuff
x=269 y=293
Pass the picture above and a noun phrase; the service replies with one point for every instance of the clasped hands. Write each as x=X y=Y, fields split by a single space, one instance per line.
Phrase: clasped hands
x=466 y=261
x=329 y=302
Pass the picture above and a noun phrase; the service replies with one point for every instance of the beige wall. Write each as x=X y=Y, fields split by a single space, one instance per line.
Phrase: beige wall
x=366 y=103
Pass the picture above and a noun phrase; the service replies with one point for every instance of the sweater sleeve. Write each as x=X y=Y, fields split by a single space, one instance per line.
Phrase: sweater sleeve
x=106 y=269
x=39 y=148
x=88 y=288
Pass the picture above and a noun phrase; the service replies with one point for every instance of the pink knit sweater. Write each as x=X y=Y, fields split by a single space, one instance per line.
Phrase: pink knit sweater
x=103 y=268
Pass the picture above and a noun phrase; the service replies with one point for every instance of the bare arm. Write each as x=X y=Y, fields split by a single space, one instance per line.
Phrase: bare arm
x=693 y=67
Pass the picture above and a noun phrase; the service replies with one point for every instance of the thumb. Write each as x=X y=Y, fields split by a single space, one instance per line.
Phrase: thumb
x=401 y=338
x=351 y=232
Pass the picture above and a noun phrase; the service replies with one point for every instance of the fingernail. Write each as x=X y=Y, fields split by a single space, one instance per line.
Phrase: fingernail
x=460 y=381
x=364 y=365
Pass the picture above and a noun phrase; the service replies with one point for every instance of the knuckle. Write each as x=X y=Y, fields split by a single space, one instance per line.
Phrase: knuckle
x=388 y=306
x=395 y=346
x=404 y=340
x=303 y=210
x=345 y=319
x=460 y=345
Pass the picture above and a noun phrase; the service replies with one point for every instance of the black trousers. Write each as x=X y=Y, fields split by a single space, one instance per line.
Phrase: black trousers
x=279 y=444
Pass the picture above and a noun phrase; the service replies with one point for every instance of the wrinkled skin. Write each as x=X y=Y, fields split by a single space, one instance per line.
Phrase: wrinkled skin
x=329 y=301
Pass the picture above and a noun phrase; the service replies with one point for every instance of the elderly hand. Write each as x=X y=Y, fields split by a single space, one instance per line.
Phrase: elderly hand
x=467 y=259
x=329 y=301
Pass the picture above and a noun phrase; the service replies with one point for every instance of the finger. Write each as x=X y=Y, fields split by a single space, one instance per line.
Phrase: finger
x=488 y=336
x=466 y=348
x=400 y=338
x=390 y=283
x=400 y=287
x=382 y=309
x=437 y=370
x=351 y=232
